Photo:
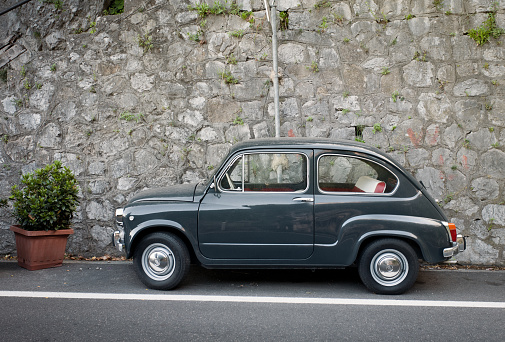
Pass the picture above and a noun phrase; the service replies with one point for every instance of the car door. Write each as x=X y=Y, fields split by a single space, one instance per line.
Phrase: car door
x=260 y=208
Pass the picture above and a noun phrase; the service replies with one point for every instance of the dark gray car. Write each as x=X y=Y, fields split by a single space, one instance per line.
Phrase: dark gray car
x=291 y=203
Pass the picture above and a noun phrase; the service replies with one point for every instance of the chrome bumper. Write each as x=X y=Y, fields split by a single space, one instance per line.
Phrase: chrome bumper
x=458 y=246
x=118 y=235
x=118 y=240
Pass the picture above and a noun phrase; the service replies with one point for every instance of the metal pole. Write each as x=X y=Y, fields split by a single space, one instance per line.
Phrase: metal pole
x=273 y=20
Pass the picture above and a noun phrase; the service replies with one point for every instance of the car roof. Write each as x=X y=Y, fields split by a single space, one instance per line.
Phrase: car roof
x=316 y=143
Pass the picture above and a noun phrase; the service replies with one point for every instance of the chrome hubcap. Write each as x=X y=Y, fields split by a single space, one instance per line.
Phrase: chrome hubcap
x=389 y=267
x=158 y=261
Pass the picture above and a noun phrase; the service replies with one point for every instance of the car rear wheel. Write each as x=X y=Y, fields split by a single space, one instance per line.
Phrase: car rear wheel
x=161 y=261
x=388 y=266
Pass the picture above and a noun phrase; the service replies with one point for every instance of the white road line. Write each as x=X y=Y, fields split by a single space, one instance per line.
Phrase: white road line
x=251 y=299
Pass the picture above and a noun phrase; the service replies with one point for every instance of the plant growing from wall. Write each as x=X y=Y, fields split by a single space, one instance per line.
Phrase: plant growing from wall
x=283 y=20
x=420 y=56
x=396 y=96
x=238 y=121
x=227 y=76
x=237 y=33
x=323 y=25
x=127 y=116
x=145 y=42
x=115 y=7
x=231 y=59
x=314 y=67
x=377 y=128
x=438 y=4
x=488 y=29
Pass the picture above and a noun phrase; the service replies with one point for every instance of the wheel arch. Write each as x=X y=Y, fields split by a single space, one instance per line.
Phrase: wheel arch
x=368 y=239
x=162 y=229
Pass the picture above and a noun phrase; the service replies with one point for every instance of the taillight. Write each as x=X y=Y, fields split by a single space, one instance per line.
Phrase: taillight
x=452 y=230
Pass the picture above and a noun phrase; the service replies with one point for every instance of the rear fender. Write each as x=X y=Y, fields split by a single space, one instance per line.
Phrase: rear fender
x=429 y=235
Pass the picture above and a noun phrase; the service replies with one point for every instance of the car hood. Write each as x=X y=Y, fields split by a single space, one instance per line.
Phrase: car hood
x=181 y=193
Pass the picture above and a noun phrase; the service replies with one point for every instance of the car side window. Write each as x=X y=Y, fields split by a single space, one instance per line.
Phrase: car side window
x=337 y=173
x=267 y=172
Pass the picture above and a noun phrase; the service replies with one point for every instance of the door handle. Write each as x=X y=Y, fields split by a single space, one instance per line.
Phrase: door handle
x=303 y=199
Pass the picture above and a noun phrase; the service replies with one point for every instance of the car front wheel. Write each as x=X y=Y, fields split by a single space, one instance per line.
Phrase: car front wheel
x=161 y=261
x=388 y=266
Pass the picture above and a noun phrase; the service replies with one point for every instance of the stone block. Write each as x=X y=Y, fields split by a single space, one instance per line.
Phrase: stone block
x=418 y=74
x=434 y=107
x=485 y=189
x=222 y=111
x=471 y=87
x=493 y=163
x=468 y=114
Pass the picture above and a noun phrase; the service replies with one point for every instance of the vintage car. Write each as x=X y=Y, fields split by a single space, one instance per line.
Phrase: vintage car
x=291 y=203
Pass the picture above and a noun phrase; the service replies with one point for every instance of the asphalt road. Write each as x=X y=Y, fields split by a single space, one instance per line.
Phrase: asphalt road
x=253 y=305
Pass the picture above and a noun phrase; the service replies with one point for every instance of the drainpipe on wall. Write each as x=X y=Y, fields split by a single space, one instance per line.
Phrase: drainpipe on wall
x=273 y=21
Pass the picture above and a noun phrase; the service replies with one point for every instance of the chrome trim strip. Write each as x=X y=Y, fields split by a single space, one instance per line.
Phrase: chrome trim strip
x=353 y=193
x=257 y=244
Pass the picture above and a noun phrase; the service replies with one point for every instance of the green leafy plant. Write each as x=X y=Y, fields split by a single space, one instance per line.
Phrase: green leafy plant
x=491 y=224
x=127 y=116
x=238 y=121
x=466 y=144
x=283 y=20
x=115 y=7
x=27 y=85
x=377 y=128
x=227 y=76
x=396 y=96
x=321 y=4
x=409 y=16
x=237 y=33
x=23 y=71
x=231 y=59
x=53 y=67
x=48 y=199
x=323 y=25
x=488 y=29
x=345 y=111
x=346 y=40
x=420 y=56
x=385 y=71
x=345 y=94
x=438 y=4
x=92 y=26
x=314 y=67
x=310 y=119
x=495 y=145
x=145 y=42
x=494 y=82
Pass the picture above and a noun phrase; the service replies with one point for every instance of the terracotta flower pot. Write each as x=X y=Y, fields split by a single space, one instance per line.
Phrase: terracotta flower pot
x=40 y=249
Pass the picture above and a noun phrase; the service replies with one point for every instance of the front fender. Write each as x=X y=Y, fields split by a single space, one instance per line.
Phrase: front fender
x=177 y=217
x=428 y=234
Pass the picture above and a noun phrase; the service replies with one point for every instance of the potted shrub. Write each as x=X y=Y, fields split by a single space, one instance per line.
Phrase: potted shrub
x=43 y=208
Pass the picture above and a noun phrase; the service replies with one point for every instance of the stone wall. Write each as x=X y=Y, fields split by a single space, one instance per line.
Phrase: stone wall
x=139 y=100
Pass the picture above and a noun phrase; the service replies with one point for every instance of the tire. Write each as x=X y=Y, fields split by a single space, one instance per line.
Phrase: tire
x=388 y=266
x=161 y=261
